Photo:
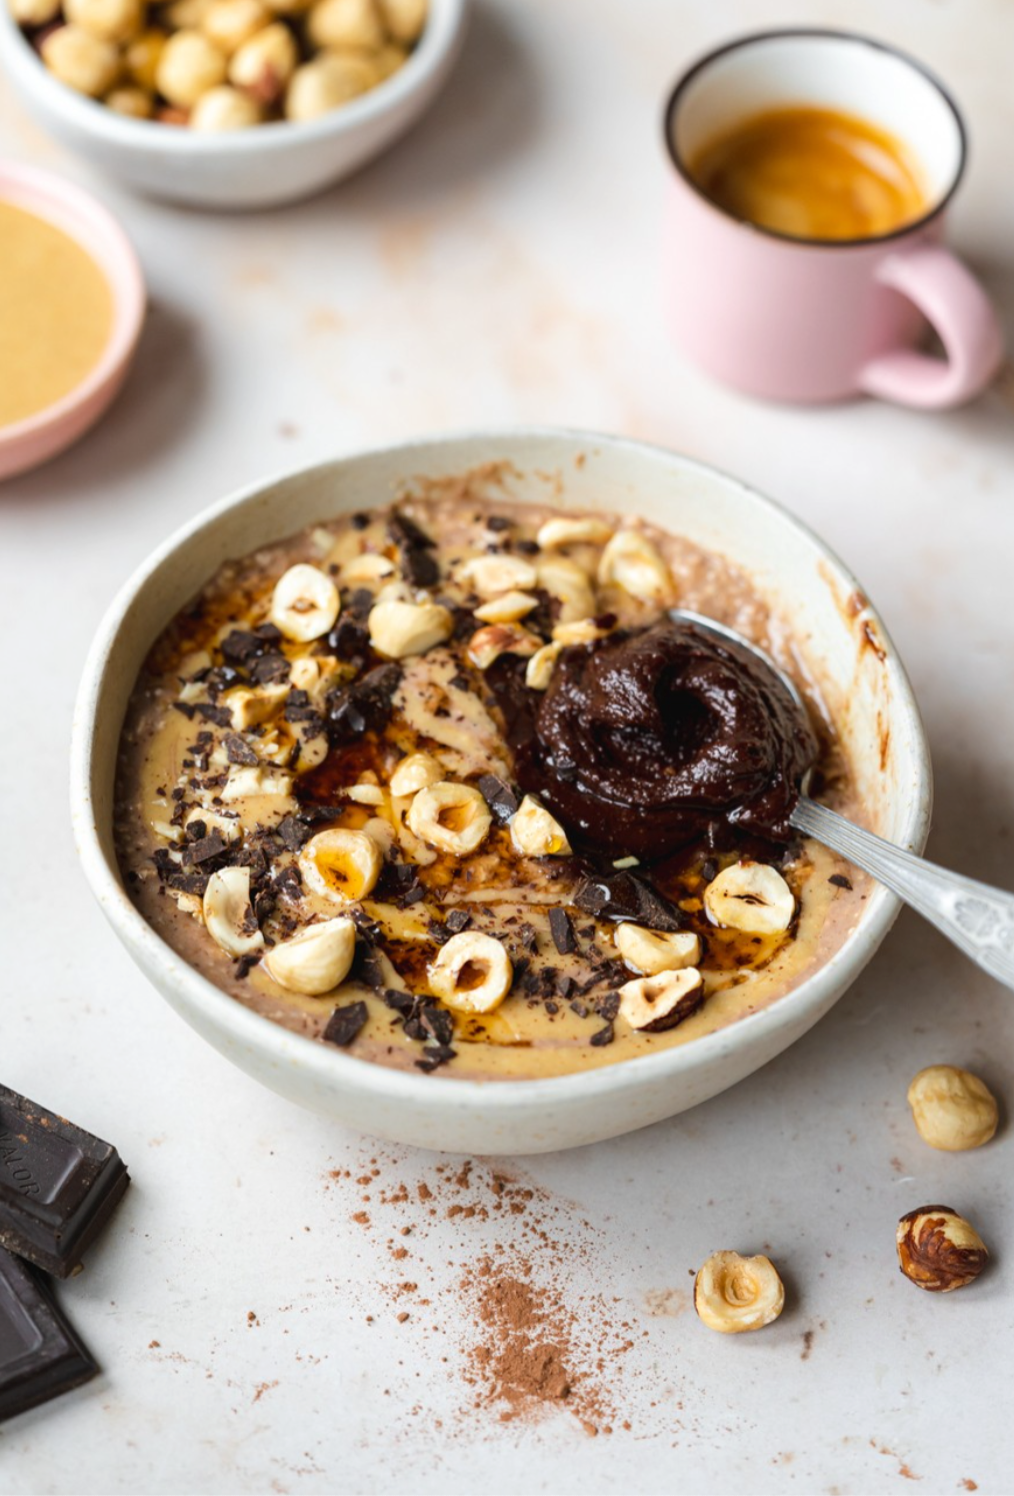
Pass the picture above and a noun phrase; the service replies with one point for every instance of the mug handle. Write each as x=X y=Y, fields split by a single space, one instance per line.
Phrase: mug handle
x=963 y=317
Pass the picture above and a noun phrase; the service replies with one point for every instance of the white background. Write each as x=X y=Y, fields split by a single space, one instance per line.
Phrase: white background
x=502 y=265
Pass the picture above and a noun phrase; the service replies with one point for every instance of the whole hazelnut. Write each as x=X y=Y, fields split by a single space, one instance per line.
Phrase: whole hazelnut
x=81 y=60
x=952 y=1109
x=110 y=20
x=938 y=1250
x=188 y=66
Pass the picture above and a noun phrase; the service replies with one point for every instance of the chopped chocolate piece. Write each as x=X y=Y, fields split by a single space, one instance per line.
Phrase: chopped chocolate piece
x=288 y=882
x=360 y=521
x=220 y=715
x=269 y=669
x=562 y=931
x=839 y=880
x=399 y=884
x=58 y=1185
x=608 y=1005
x=602 y=1036
x=294 y=832
x=528 y=936
x=299 y=708
x=625 y=896
x=527 y=547
x=345 y=1023
x=367 y=703
x=349 y=639
x=40 y=1352
x=196 y=830
x=269 y=632
x=498 y=522
x=240 y=646
x=552 y=1008
x=709 y=870
x=564 y=984
x=414 y=548
x=237 y=751
x=440 y=1022
x=458 y=920
x=245 y=964
x=522 y=973
x=499 y=796
x=210 y=846
x=435 y=1056
x=579 y=1008
x=401 y=1002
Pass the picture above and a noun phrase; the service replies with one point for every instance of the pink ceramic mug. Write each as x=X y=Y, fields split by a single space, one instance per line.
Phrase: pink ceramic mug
x=811 y=320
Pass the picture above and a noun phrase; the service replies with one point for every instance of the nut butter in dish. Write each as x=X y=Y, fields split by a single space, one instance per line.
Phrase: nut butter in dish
x=56 y=314
x=71 y=309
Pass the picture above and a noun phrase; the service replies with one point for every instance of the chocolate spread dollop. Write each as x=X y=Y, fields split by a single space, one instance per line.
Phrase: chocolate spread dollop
x=652 y=738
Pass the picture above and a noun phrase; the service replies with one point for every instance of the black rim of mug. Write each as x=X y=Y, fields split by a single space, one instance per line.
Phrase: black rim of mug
x=675 y=99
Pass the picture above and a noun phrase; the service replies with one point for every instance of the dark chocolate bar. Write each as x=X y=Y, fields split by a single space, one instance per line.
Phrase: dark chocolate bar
x=58 y=1185
x=40 y=1354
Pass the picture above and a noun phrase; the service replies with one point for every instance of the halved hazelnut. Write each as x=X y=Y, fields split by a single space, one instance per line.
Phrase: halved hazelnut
x=316 y=960
x=535 y=833
x=654 y=1004
x=305 y=602
x=399 y=629
x=733 y=1293
x=634 y=563
x=650 y=951
x=341 y=864
x=228 y=913
x=451 y=817
x=750 y=896
x=472 y=973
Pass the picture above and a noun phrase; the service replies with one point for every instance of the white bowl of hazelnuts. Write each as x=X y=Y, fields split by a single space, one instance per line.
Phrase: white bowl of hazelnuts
x=229 y=103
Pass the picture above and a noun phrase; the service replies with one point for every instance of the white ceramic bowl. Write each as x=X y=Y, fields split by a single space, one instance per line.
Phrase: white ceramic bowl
x=866 y=690
x=255 y=168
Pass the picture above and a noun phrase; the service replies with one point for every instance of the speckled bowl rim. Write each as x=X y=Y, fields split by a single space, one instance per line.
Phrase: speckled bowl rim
x=330 y=1066
x=440 y=38
x=82 y=218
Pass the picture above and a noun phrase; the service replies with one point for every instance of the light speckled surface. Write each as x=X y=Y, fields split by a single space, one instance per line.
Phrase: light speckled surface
x=499 y=267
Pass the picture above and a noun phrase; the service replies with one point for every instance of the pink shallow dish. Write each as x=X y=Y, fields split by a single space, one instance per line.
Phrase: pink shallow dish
x=25 y=444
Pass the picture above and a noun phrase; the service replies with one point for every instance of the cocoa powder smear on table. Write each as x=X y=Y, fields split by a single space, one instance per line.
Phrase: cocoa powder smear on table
x=527 y=1342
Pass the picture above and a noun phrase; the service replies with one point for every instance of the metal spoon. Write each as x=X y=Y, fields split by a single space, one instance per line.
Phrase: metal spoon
x=977 y=918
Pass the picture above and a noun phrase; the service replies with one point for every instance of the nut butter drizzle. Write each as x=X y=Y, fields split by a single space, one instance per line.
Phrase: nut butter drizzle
x=355 y=818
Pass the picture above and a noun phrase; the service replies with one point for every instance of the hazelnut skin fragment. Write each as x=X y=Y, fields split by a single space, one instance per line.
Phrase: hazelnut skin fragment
x=952 y=1109
x=938 y=1250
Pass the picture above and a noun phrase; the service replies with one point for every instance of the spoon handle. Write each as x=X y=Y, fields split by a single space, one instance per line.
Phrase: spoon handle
x=977 y=918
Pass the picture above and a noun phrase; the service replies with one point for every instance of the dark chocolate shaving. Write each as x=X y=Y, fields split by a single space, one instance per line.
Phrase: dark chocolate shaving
x=604 y=1035
x=237 y=751
x=839 y=880
x=345 y=1023
x=415 y=549
x=367 y=704
x=499 y=796
x=626 y=896
x=562 y=931
x=458 y=920
x=434 y=1057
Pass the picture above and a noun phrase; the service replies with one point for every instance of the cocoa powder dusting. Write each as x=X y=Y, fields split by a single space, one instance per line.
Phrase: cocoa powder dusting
x=523 y=1340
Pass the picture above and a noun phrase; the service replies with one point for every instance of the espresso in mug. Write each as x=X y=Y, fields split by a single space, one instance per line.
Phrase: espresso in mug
x=812 y=173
